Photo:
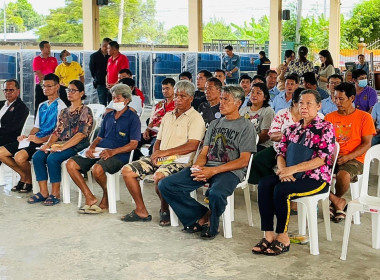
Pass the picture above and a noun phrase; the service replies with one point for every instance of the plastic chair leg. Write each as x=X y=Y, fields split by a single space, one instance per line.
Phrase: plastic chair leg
x=111 y=190
x=173 y=218
x=36 y=187
x=227 y=224
x=346 y=234
x=117 y=185
x=2 y=172
x=375 y=230
x=301 y=212
x=313 y=226
x=355 y=193
x=326 y=218
x=232 y=200
x=65 y=183
x=248 y=205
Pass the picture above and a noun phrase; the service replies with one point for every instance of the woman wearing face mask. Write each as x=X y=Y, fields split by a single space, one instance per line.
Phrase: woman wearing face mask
x=70 y=136
x=366 y=97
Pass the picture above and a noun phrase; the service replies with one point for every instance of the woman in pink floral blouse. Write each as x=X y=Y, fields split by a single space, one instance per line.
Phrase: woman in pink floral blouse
x=304 y=160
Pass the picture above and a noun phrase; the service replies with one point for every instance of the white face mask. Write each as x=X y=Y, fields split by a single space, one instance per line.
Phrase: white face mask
x=118 y=106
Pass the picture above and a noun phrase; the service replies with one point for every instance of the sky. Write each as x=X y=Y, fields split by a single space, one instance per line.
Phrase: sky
x=174 y=12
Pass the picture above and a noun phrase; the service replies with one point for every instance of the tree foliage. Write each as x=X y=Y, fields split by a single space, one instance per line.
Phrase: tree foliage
x=217 y=29
x=178 y=35
x=257 y=31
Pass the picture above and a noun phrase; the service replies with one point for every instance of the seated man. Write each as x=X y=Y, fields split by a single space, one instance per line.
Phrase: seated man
x=353 y=130
x=118 y=136
x=310 y=82
x=13 y=113
x=210 y=109
x=284 y=98
x=245 y=82
x=228 y=145
x=366 y=97
x=179 y=135
x=126 y=73
x=220 y=74
x=271 y=81
x=199 y=95
x=328 y=104
x=46 y=119
x=186 y=75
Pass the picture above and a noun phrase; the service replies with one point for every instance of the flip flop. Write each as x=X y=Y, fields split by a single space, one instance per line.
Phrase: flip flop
x=194 y=228
x=93 y=209
x=51 y=201
x=83 y=208
x=38 y=197
x=164 y=219
x=133 y=217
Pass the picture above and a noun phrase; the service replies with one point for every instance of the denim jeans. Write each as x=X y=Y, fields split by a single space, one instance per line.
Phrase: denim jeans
x=50 y=163
x=176 y=190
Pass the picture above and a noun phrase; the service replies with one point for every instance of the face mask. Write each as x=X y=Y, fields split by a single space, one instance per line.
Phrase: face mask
x=118 y=106
x=362 y=83
x=69 y=59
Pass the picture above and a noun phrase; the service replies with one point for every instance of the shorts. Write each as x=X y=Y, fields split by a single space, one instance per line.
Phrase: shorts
x=13 y=148
x=352 y=167
x=144 y=167
x=110 y=165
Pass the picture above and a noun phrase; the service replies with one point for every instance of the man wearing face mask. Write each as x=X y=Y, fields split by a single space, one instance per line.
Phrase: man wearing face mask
x=118 y=136
x=366 y=97
x=67 y=71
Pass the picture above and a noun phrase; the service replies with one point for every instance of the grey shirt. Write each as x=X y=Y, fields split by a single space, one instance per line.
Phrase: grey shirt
x=227 y=139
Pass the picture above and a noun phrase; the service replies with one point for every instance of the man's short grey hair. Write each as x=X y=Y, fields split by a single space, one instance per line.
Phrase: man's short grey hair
x=236 y=91
x=185 y=86
x=317 y=96
x=123 y=90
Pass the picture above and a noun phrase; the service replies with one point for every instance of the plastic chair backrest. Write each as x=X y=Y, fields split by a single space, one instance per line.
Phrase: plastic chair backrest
x=29 y=123
x=95 y=124
x=97 y=110
x=336 y=153
x=372 y=153
x=250 y=160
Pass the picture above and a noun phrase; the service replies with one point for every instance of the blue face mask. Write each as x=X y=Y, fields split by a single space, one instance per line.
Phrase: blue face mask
x=362 y=83
x=69 y=59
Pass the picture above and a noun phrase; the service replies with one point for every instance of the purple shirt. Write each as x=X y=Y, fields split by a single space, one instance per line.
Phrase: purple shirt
x=366 y=99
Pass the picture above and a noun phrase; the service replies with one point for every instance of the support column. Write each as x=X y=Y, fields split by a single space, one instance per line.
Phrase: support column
x=275 y=32
x=195 y=26
x=334 y=31
x=91 y=33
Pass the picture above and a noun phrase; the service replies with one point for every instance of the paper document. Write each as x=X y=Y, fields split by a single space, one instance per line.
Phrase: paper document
x=96 y=153
x=23 y=143
x=184 y=159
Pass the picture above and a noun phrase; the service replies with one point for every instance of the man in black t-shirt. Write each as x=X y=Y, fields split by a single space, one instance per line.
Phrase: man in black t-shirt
x=210 y=108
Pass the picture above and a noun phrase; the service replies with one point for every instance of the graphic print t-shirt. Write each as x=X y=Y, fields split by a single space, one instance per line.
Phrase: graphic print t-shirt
x=226 y=139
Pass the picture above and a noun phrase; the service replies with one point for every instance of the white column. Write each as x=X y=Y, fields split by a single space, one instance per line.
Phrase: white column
x=91 y=36
x=334 y=31
x=275 y=32
x=195 y=26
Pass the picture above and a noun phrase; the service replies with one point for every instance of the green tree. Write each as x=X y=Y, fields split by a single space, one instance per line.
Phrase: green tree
x=365 y=22
x=217 y=29
x=257 y=31
x=178 y=35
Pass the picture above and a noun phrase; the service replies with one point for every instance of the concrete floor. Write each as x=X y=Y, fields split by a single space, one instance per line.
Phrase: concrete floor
x=38 y=242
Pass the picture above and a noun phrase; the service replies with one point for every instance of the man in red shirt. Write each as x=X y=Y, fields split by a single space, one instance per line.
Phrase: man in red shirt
x=116 y=62
x=43 y=64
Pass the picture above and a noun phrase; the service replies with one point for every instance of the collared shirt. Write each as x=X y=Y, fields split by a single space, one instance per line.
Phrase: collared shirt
x=366 y=99
x=279 y=102
x=5 y=108
x=376 y=114
x=67 y=73
x=246 y=100
x=364 y=67
x=320 y=138
x=114 y=66
x=273 y=92
x=159 y=112
x=45 y=65
x=230 y=63
x=98 y=67
x=324 y=94
x=116 y=133
x=300 y=68
x=328 y=106
x=175 y=131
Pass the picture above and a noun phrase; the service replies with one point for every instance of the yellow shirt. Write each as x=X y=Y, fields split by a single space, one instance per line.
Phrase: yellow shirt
x=67 y=73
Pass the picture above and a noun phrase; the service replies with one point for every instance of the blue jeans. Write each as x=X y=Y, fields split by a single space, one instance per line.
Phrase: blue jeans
x=375 y=140
x=176 y=190
x=50 y=162
x=102 y=94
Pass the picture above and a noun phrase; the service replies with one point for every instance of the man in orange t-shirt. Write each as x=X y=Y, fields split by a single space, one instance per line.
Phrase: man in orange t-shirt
x=354 y=130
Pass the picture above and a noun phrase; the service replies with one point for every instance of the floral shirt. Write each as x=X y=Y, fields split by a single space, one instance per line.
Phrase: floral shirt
x=299 y=67
x=159 y=112
x=320 y=138
x=282 y=120
x=71 y=123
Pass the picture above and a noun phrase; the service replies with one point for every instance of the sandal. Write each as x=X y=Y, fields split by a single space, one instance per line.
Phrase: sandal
x=277 y=247
x=38 y=197
x=340 y=215
x=263 y=245
x=133 y=217
x=18 y=187
x=51 y=201
x=164 y=219
x=26 y=188
x=206 y=234
x=332 y=212
x=194 y=228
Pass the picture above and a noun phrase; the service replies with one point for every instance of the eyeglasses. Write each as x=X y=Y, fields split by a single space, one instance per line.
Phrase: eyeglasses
x=68 y=90
x=10 y=90
x=48 y=86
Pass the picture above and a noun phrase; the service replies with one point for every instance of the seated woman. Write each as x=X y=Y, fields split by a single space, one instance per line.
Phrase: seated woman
x=70 y=136
x=260 y=114
x=264 y=161
x=304 y=160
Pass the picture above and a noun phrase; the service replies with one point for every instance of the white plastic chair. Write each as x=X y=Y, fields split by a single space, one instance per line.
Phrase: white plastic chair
x=307 y=207
x=365 y=203
x=97 y=110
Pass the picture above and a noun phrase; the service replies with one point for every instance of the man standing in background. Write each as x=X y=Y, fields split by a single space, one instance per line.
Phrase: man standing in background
x=98 y=69
x=43 y=64
x=116 y=62
x=231 y=64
